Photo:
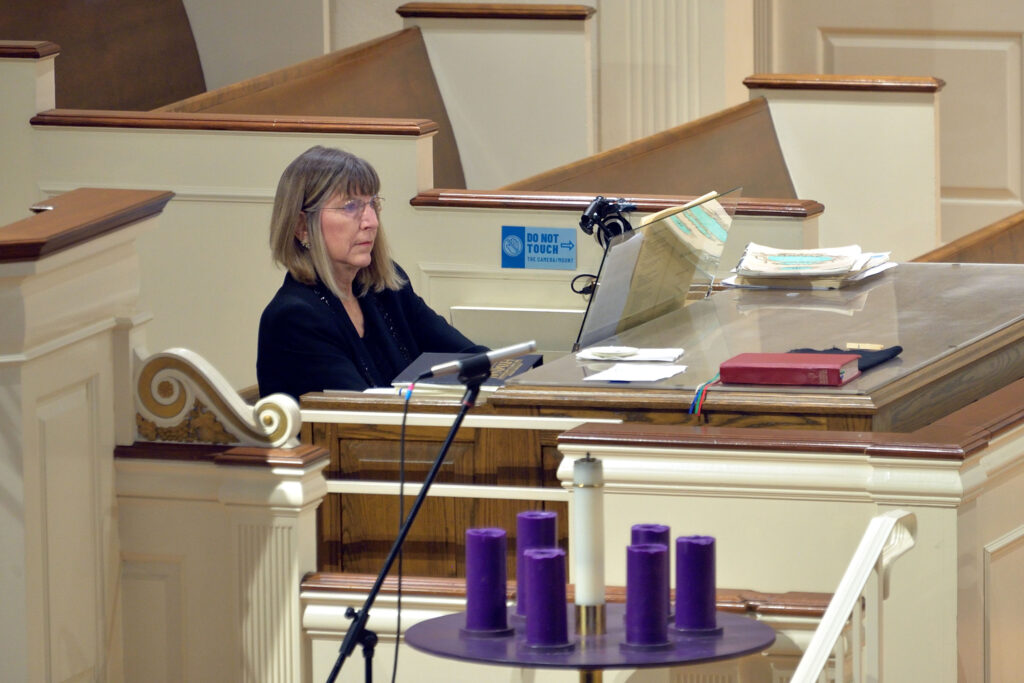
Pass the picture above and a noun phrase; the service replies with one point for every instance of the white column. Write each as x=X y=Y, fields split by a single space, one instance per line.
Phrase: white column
x=271 y=515
x=59 y=552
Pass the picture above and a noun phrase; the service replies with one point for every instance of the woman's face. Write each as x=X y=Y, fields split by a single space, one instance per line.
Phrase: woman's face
x=349 y=227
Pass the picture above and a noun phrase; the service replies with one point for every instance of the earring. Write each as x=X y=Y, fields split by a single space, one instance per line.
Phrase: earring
x=305 y=244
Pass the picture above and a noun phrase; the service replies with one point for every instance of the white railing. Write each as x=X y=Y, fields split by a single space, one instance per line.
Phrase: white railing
x=888 y=536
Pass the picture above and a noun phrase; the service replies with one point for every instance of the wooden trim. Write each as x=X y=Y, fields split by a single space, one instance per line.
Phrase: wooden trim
x=487 y=10
x=736 y=438
x=246 y=456
x=729 y=599
x=76 y=217
x=299 y=457
x=578 y=201
x=27 y=49
x=351 y=125
x=844 y=82
x=1000 y=242
x=954 y=437
x=152 y=450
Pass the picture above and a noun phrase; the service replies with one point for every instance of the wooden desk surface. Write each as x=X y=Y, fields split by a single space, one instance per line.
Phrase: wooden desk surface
x=960 y=326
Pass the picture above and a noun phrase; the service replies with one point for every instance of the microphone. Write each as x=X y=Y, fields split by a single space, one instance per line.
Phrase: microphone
x=479 y=361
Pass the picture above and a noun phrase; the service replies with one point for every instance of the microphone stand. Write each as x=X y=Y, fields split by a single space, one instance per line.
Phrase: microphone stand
x=473 y=374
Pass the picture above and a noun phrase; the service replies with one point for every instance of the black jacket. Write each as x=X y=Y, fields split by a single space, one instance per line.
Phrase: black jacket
x=308 y=343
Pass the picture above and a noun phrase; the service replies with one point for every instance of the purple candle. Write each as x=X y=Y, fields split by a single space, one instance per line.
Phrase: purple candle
x=655 y=533
x=485 y=580
x=695 y=583
x=647 y=594
x=546 y=621
x=534 y=529
x=649 y=533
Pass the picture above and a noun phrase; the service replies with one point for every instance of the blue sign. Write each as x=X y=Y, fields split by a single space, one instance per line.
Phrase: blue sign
x=547 y=248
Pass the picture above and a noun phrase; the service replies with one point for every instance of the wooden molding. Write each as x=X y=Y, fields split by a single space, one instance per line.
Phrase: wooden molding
x=27 y=49
x=843 y=82
x=248 y=456
x=154 y=450
x=76 y=217
x=487 y=10
x=729 y=599
x=235 y=122
x=578 y=201
x=954 y=437
x=299 y=457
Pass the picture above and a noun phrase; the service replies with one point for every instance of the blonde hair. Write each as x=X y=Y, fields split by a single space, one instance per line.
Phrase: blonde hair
x=306 y=184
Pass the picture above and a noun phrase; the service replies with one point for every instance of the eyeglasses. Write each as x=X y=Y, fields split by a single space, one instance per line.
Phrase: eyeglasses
x=355 y=207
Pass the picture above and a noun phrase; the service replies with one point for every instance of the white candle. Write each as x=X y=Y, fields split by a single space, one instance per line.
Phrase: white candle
x=588 y=530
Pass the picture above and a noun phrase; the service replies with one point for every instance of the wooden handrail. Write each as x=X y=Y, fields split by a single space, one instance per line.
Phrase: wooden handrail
x=235 y=122
x=843 y=82
x=795 y=603
x=1001 y=242
x=577 y=201
x=75 y=217
x=488 y=10
x=27 y=49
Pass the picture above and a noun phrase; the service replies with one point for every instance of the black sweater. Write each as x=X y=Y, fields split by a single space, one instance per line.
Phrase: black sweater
x=308 y=343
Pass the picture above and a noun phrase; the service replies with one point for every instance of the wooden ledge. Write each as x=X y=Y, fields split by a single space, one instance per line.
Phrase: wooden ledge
x=797 y=604
x=27 y=49
x=955 y=437
x=299 y=457
x=76 y=217
x=578 y=201
x=487 y=10
x=842 y=82
x=246 y=456
x=236 y=122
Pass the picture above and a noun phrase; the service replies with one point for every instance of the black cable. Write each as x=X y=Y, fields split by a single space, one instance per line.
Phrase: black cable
x=586 y=289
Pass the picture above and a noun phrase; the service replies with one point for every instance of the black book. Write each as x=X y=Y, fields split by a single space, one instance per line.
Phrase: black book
x=501 y=370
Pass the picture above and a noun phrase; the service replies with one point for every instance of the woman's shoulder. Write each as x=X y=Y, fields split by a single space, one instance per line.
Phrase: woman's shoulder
x=292 y=297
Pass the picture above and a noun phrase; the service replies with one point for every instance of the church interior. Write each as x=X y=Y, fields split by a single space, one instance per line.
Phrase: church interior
x=161 y=520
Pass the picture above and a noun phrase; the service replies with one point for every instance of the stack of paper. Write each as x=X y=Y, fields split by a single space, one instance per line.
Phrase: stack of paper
x=827 y=268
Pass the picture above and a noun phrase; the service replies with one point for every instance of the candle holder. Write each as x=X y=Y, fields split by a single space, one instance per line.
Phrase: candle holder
x=591 y=620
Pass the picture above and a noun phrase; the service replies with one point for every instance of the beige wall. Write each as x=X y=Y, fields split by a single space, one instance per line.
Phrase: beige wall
x=975 y=47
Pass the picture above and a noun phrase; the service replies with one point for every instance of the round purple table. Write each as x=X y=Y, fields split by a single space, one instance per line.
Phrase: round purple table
x=444 y=637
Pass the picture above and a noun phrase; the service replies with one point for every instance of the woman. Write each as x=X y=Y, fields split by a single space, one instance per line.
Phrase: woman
x=346 y=316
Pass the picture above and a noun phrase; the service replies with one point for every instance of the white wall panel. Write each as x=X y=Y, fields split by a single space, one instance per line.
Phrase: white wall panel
x=68 y=448
x=1004 y=605
x=974 y=47
x=153 y=639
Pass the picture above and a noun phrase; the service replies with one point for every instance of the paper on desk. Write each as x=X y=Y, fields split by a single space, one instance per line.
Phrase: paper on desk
x=636 y=372
x=629 y=353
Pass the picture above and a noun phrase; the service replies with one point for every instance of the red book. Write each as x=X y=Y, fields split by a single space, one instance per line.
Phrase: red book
x=820 y=369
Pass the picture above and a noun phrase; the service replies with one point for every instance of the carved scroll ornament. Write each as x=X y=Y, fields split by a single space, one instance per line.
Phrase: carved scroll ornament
x=180 y=397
